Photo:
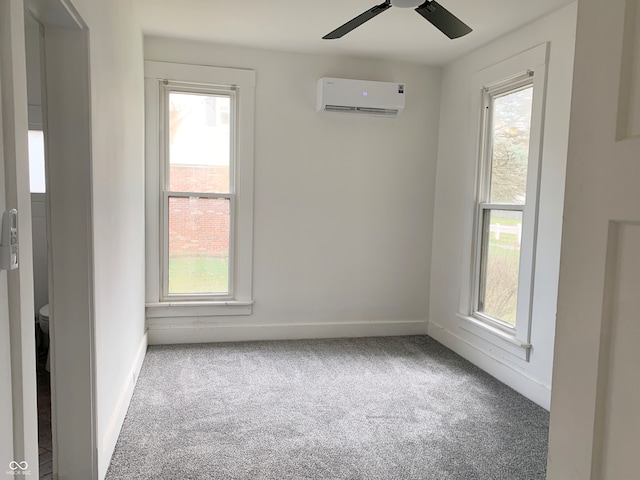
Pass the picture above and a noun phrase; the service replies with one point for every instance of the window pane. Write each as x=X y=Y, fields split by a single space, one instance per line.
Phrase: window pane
x=510 y=154
x=36 y=161
x=500 y=264
x=199 y=143
x=198 y=245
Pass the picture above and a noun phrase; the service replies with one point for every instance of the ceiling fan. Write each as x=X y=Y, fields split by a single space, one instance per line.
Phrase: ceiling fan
x=440 y=17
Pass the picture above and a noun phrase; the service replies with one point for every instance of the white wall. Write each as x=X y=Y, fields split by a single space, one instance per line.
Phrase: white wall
x=343 y=204
x=118 y=207
x=118 y=212
x=457 y=160
x=115 y=228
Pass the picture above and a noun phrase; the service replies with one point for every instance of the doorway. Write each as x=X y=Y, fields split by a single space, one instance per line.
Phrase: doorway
x=37 y=185
x=66 y=119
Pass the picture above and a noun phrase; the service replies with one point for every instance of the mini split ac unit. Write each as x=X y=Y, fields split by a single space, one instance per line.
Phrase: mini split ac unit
x=341 y=95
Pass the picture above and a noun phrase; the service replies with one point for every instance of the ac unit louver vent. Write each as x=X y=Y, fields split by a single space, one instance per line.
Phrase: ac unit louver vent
x=378 y=111
x=363 y=110
x=339 y=108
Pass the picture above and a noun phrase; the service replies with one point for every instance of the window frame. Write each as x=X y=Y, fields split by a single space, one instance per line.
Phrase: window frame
x=161 y=78
x=166 y=87
x=484 y=205
x=528 y=68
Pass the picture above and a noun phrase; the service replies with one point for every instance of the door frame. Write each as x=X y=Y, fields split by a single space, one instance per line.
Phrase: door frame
x=67 y=125
x=595 y=392
x=20 y=281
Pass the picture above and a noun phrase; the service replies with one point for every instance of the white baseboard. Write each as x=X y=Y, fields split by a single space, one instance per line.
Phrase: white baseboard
x=494 y=366
x=112 y=432
x=199 y=333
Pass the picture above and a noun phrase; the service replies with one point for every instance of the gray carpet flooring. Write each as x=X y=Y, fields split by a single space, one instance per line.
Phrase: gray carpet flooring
x=365 y=408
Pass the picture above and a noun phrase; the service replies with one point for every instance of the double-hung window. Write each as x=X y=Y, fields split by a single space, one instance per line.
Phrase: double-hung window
x=507 y=202
x=199 y=188
x=503 y=199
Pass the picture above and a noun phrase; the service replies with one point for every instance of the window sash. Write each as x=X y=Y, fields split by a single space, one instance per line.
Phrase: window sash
x=484 y=232
x=166 y=87
x=165 y=246
x=500 y=89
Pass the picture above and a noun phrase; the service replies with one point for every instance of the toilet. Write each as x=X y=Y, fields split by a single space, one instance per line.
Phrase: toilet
x=43 y=322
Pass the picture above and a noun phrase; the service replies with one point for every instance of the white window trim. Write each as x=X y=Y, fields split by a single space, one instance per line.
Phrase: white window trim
x=243 y=81
x=513 y=340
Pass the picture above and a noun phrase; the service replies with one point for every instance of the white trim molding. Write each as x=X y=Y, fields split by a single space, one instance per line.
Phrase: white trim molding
x=198 y=309
x=495 y=361
x=199 y=330
x=496 y=336
x=526 y=68
x=240 y=298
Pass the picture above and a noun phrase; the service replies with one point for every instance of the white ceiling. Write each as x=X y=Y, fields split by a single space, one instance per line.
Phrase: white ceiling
x=298 y=25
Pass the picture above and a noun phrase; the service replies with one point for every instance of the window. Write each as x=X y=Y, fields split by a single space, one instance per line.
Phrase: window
x=198 y=191
x=199 y=188
x=506 y=207
x=36 y=161
x=503 y=193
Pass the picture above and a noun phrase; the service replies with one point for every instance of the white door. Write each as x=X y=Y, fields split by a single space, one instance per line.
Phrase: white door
x=18 y=402
x=595 y=405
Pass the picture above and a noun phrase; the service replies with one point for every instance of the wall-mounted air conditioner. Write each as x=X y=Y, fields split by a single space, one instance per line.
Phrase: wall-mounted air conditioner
x=341 y=95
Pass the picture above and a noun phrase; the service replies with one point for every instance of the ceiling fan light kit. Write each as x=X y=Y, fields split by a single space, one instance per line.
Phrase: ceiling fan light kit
x=432 y=11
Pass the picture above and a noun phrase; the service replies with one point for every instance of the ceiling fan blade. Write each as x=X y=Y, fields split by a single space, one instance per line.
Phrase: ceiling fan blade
x=443 y=19
x=359 y=20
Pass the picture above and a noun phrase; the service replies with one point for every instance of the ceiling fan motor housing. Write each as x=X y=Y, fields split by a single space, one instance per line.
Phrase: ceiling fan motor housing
x=406 y=3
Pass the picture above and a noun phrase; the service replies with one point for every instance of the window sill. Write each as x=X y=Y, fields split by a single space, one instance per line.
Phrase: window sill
x=199 y=309
x=495 y=336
